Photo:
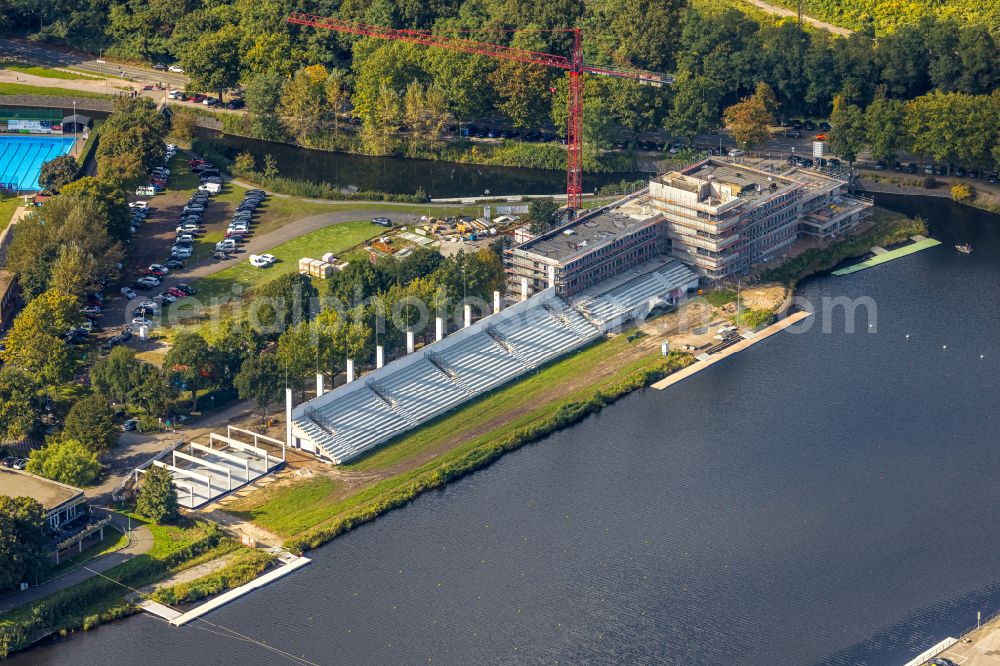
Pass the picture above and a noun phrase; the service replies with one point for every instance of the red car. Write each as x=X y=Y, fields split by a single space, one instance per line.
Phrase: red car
x=153 y=271
x=195 y=162
x=174 y=291
x=196 y=98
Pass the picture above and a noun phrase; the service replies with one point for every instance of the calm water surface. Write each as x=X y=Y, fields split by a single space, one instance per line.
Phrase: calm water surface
x=406 y=176
x=822 y=498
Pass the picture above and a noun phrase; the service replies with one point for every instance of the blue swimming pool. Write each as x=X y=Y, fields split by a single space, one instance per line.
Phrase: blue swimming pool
x=21 y=158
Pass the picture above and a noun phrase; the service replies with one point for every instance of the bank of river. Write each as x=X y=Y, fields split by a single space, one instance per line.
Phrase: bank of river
x=823 y=497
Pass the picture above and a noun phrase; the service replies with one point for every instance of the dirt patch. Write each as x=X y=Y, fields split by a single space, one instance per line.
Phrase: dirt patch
x=764 y=297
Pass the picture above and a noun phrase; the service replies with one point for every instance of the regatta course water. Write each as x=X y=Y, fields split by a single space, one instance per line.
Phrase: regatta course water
x=820 y=498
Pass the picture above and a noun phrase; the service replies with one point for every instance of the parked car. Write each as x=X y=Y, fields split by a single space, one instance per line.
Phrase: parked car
x=174 y=264
x=176 y=69
x=186 y=288
x=259 y=262
x=736 y=152
x=382 y=221
x=141 y=321
x=130 y=425
x=176 y=94
x=235 y=103
x=127 y=293
x=211 y=188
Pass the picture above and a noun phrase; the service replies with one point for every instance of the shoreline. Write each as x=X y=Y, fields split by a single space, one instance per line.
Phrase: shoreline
x=400 y=487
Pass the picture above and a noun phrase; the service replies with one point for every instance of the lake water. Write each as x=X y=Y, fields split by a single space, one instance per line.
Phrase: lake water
x=821 y=498
x=406 y=176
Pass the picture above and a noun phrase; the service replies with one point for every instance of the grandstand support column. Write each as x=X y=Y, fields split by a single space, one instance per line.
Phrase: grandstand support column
x=379 y=356
x=438 y=329
x=468 y=315
x=552 y=277
x=288 y=416
x=410 y=342
x=524 y=289
x=496 y=302
x=350 y=370
x=319 y=384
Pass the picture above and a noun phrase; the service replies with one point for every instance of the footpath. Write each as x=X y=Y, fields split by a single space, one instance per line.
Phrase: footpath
x=140 y=543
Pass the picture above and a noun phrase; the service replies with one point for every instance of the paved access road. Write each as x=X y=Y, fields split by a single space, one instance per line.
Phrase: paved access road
x=55 y=57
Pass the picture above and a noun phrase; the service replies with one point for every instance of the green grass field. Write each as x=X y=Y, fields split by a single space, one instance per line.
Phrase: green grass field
x=8 y=204
x=37 y=70
x=335 y=238
x=23 y=89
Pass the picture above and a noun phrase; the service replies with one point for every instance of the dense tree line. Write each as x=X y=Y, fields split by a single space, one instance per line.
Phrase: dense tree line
x=300 y=83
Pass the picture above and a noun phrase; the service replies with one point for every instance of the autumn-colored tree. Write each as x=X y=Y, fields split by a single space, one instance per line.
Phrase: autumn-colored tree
x=750 y=118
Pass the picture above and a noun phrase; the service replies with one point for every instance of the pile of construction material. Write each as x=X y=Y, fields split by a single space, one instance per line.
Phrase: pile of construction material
x=321 y=268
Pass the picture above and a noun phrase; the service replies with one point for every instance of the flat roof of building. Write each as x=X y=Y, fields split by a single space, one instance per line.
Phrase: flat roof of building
x=50 y=494
x=585 y=233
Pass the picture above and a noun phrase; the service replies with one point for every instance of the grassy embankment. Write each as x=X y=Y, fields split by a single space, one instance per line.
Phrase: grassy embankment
x=37 y=70
x=889 y=228
x=8 y=204
x=24 y=89
x=242 y=567
x=102 y=598
x=311 y=512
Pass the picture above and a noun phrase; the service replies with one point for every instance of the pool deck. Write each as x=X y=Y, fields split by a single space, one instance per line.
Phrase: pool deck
x=705 y=360
x=882 y=255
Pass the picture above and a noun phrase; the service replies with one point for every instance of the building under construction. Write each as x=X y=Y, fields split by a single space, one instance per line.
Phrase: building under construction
x=717 y=217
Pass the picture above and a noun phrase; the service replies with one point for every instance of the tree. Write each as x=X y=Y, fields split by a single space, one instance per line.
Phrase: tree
x=18 y=404
x=91 y=422
x=24 y=541
x=543 y=214
x=695 y=108
x=336 y=94
x=68 y=219
x=281 y=303
x=115 y=376
x=847 y=136
x=749 y=120
x=213 y=60
x=58 y=172
x=426 y=113
x=244 y=164
x=884 y=127
x=157 y=498
x=953 y=126
x=75 y=271
x=262 y=93
x=65 y=461
x=523 y=90
x=35 y=343
x=153 y=390
x=382 y=123
x=297 y=353
x=645 y=33
x=260 y=379
x=114 y=212
x=182 y=125
x=980 y=58
x=302 y=107
x=191 y=360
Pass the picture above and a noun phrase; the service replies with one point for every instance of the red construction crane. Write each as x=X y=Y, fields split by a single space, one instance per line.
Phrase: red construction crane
x=573 y=65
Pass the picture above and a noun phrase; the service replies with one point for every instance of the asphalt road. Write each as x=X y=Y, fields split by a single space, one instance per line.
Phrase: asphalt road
x=51 y=56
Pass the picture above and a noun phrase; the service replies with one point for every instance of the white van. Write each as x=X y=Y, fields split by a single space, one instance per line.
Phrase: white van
x=211 y=188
